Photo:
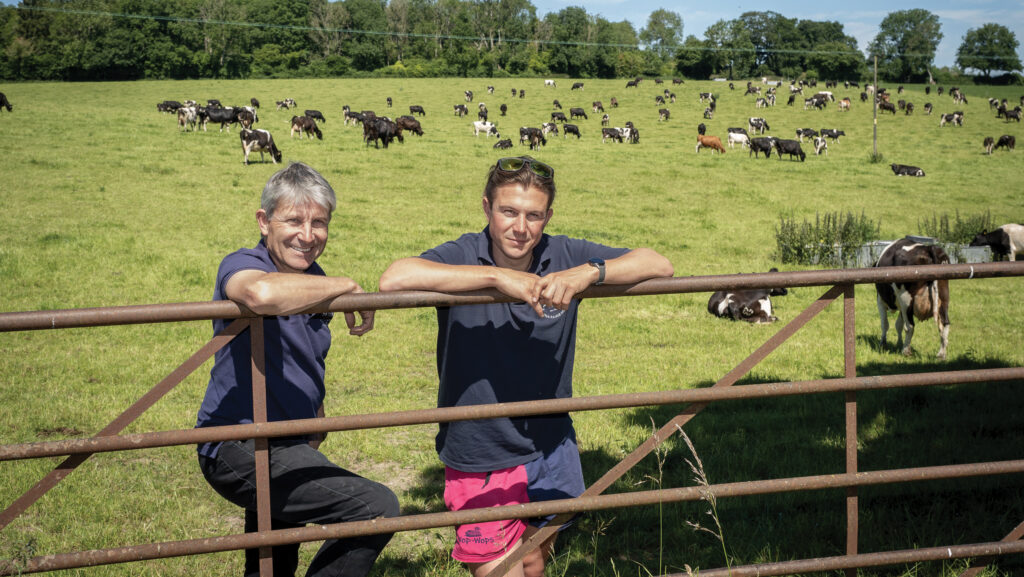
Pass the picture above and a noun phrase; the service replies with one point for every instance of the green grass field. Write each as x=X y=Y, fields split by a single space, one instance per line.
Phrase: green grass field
x=105 y=202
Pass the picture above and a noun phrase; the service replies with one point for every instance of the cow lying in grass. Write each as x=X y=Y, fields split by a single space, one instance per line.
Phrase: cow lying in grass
x=753 y=306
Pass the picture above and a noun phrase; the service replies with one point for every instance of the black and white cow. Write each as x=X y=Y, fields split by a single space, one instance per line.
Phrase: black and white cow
x=808 y=132
x=758 y=125
x=663 y=114
x=258 y=141
x=417 y=109
x=832 y=133
x=820 y=145
x=461 y=110
x=305 y=125
x=315 y=115
x=956 y=119
x=911 y=300
x=246 y=118
x=1006 y=241
x=389 y=101
x=187 y=118
x=488 y=128
x=752 y=306
x=761 y=144
x=577 y=86
x=502 y=144
x=612 y=133
x=225 y=116
x=597 y=106
x=906 y=170
x=989 y=143
x=549 y=127
x=790 y=147
x=1007 y=141
x=568 y=129
x=469 y=95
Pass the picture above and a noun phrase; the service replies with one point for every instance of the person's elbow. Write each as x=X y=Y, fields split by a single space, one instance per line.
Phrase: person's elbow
x=397 y=276
x=657 y=265
x=260 y=298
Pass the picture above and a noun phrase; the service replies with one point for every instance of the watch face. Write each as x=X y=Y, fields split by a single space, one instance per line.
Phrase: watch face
x=596 y=261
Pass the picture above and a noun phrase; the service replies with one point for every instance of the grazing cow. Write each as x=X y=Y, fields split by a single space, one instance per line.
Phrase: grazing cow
x=305 y=125
x=820 y=145
x=558 y=117
x=955 y=119
x=537 y=140
x=712 y=142
x=382 y=130
x=612 y=133
x=832 y=133
x=762 y=144
x=630 y=133
x=663 y=114
x=597 y=106
x=417 y=109
x=677 y=81
x=214 y=103
x=575 y=113
x=186 y=118
x=522 y=93
x=758 y=125
x=844 y=104
x=526 y=132
x=989 y=143
x=389 y=101
x=760 y=103
x=488 y=128
x=409 y=123
x=315 y=115
x=549 y=127
x=577 y=86
x=568 y=129
x=790 y=147
x=791 y=100
x=659 y=99
x=740 y=137
x=1007 y=141
x=461 y=110
x=910 y=109
x=258 y=141
x=885 y=106
x=503 y=108
x=615 y=102
x=709 y=113
x=286 y=103
x=490 y=90
x=701 y=129
x=701 y=97
x=901 y=104
x=503 y=144
x=906 y=170
x=808 y=132
x=255 y=103
x=513 y=93
x=550 y=83
x=246 y=118
x=863 y=96
x=225 y=116
x=1006 y=241
x=469 y=95
x=556 y=104
x=928 y=108
x=911 y=300
x=734 y=129
x=482 y=113
x=631 y=83
x=165 y=106
x=604 y=120
x=752 y=306
x=1012 y=115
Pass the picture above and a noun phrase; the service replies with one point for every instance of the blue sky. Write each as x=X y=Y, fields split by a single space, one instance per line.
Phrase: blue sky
x=860 y=18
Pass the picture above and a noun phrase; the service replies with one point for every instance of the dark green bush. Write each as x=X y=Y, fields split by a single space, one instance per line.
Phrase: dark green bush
x=960 y=231
x=831 y=240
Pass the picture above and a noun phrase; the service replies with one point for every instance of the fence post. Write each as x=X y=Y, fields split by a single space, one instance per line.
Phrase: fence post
x=259 y=415
x=850 y=371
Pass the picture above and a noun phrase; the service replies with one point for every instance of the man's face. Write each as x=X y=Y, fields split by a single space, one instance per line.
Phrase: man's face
x=296 y=235
x=517 y=218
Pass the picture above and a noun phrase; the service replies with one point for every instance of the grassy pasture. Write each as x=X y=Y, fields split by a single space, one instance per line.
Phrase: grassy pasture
x=106 y=203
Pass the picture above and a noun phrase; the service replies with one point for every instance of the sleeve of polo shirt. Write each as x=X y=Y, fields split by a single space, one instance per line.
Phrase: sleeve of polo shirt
x=453 y=252
x=580 y=251
x=238 y=261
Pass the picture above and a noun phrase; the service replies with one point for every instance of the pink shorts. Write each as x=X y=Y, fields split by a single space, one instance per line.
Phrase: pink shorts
x=556 y=475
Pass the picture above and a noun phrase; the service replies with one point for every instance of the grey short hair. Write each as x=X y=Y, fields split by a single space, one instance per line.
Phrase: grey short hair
x=297 y=184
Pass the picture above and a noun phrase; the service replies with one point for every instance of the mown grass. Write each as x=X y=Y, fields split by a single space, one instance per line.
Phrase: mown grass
x=106 y=203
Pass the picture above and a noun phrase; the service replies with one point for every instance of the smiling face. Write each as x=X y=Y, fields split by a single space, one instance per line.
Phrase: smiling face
x=516 y=217
x=296 y=235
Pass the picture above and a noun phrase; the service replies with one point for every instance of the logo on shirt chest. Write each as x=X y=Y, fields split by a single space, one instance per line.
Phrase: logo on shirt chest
x=551 y=312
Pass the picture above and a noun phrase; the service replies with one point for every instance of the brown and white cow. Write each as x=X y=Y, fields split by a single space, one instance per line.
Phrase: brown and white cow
x=915 y=299
x=305 y=126
x=258 y=141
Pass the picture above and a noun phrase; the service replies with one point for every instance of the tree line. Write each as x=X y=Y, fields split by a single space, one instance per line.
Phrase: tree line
x=176 y=39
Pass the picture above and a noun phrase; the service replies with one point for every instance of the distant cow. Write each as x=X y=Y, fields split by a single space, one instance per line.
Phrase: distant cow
x=305 y=125
x=615 y=102
x=502 y=144
x=832 y=133
x=663 y=114
x=1006 y=241
x=556 y=104
x=549 y=127
x=255 y=103
x=389 y=101
x=186 y=118
x=1007 y=141
x=469 y=95
x=417 y=109
x=758 y=125
x=808 y=132
x=911 y=300
x=712 y=142
x=752 y=306
x=571 y=129
x=701 y=128
x=558 y=117
x=461 y=110
x=955 y=119
x=577 y=86
x=550 y=83
x=488 y=128
x=820 y=145
x=906 y=170
x=738 y=137
x=315 y=115
x=597 y=106
x=258 y=141
x=989 y=144
x=887 y=107
x=612 y=133
x=409 y=123
x=224 y=116
x=503 y=108
x=790 y=147
x=577 y=113
x=380 y=131
x=763 y=144
x=928 y=108
x=605 y=120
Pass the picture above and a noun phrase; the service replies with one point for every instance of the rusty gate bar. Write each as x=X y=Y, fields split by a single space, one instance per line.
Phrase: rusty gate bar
x=538 y=509
x=980 y=564
x=521 y=409
x=261 y=444
x=850 y=371
x=123 y=420
x=854 y=562
x=176 y=312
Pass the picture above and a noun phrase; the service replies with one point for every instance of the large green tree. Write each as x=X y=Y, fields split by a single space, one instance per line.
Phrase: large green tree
x=663 y=33
x=777 y=42
x=991 y=47
x=692 y=58
x=905 y=44
x=731 y=51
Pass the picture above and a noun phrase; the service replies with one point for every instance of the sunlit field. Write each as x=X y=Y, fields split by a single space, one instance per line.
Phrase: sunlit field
x=106 y=202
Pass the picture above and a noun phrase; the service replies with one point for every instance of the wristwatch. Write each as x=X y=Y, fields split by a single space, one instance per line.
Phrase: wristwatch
x=598 y=263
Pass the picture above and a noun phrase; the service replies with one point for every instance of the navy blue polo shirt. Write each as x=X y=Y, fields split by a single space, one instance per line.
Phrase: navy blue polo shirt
x=295 y=349
x=504 y=353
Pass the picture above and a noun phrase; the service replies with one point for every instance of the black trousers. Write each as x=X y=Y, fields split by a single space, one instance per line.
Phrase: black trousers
x=305 y=488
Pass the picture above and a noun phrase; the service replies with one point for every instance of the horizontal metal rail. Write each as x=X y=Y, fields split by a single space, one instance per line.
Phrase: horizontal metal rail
x=521 y=409
x=526 y=510
x=177 y=312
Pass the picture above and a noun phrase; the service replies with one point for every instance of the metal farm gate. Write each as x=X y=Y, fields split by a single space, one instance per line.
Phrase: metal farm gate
x=841 y=286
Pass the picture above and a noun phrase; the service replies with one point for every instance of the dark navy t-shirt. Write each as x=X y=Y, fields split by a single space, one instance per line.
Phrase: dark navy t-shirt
x=504 y=353
x=295 y=349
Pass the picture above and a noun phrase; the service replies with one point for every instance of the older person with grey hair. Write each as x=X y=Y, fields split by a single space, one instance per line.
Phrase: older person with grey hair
x=279 y=278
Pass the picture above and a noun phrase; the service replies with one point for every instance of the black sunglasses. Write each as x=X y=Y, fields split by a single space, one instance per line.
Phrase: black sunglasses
x=514 y=164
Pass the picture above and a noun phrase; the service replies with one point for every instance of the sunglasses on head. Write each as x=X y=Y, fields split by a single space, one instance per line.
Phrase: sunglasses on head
x=514 y=164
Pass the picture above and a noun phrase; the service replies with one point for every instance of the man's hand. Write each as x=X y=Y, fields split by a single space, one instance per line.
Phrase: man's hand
x=520 y=285
x=366 y=318
x=559 y=288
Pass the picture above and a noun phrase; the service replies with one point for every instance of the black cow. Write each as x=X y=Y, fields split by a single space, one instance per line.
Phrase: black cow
x=389 y=101
x=503 y=108
x=1007 y=241
x=409 y=123
x=501 y=144
x=808 y=132
x=315 y=115
x=577 y=85
x=577 y=113
x=752 y=306
x=380 y=129
x=255 y=103
x=1007 y=141
x=417 y=109
x=225 y=116
x=305 y=125
x=885 y=106
x=258 y=141
x=906 y=170
x=790 y=147
x=556 y=104
x=1012 y=115
x=213 y=102
x=568 y=129
x=912 y=300
x=928 y=108
x=559 y=117
x=522 y=93
x=832 y=133
x=612 y=133
x=701 y=129
x=761 y=144
x=165 y=106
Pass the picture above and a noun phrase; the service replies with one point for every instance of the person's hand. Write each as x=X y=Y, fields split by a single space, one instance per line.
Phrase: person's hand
x=520 y=285
x=559 y=288
x=366 y=319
